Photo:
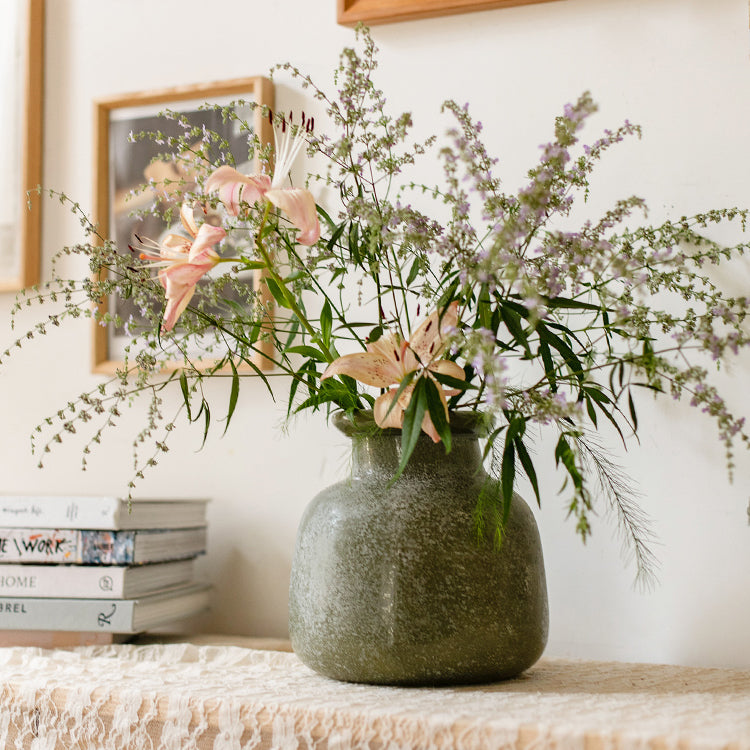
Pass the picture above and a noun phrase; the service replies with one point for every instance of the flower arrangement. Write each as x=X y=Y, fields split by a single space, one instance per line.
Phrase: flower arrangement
x=416 y=301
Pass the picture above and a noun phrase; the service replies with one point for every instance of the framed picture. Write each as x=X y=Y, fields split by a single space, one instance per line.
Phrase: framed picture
x=124 y=164
x=21 y=79
x=351 y=12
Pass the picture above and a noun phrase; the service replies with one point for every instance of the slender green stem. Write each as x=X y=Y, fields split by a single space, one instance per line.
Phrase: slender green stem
x=288 y=296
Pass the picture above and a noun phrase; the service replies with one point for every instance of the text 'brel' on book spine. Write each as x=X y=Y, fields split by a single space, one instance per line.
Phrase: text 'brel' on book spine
x=104 y=615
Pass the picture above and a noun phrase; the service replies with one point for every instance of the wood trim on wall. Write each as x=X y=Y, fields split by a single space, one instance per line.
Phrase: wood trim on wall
x=30 y=217
x=372 y=12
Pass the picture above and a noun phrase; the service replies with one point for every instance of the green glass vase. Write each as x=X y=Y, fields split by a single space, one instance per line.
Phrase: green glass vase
x=392 y=584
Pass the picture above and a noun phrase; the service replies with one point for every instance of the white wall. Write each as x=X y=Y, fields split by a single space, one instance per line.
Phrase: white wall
x=681 y=68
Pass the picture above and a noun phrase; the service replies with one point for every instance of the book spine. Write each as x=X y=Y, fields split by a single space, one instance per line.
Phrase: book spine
x=98 y=615
x=62 y=581
x=59 y=512
x=66 y=546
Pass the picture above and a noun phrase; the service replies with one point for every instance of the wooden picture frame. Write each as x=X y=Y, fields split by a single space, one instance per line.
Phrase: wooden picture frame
x=373 y=12
x=22 y=78
x=115 y=118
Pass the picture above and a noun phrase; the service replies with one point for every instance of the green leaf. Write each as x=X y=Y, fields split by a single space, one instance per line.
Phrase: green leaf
x=375 y=334
x=412 y=425
x=326 y=323
x=253 y=332
x=484 y=307
x=516 y=429
x=648 y=360
x=437 y=413
x=233 y=395
x=324 y=215
x=448 y=295
x=549 y=365
x=633 y=415
x=567 y=353
x=571 y=304
x=599 y=396
x=564 y=454
x=507 y=475
x=331 y=391
x=298 y=378
x=249 y=362
x=186 y=394
x=591 y=410
x=602 y=400
x=528 y=467
x=206 y=420
x=294 y=275
x=336 y=236
x=294 y=327
x=490 y=441
x=413 y=272
x=512 y=322
x=402 y=386
x=451 y=382
x=277 y=293
x=306 y=351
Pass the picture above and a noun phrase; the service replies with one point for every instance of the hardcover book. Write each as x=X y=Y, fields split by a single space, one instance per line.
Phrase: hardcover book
x=93 y=581
x=59 y=638
x=113 y=513
x=103 y=615
x=98 y=547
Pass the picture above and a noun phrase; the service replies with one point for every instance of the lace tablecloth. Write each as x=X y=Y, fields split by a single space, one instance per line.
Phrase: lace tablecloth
x=188 y=696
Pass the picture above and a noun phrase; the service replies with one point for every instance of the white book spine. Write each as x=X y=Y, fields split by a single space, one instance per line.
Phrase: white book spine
x=102 y=615
x=62 y=580
x=60 y=512
x=99 y=615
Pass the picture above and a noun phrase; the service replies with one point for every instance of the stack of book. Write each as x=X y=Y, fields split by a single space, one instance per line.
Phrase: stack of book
x=95 y=570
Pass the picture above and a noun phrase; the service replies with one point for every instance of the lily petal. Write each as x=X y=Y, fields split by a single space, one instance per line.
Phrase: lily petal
x=182 y=263
x=234 y=187
x=384 y=418
x=447 y=367
x=429 y=428
x=207 y=236
x=188 y=219
x=367 y=367
x=427 y=341
x=174 y=247
x=299 y=205
x=179 y=282
x=395 y=417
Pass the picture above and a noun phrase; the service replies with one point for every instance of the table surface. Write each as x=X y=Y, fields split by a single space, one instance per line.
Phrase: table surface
x=225 y=692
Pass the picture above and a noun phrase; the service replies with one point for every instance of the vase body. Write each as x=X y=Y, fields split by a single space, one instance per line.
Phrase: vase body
x=391 y=583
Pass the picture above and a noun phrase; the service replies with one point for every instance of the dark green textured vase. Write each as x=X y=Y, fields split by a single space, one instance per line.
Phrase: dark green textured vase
x=390 y=584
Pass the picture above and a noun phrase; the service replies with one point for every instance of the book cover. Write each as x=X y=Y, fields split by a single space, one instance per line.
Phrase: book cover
x=99 y=547
x=113 y=513
x=102 y=615
x=92 y=581
x=59 y=638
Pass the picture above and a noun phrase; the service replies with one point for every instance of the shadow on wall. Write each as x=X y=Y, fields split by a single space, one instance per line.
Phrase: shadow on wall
x=246 y=598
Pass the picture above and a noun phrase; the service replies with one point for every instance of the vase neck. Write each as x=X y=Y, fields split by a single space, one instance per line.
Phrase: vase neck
x=382 y=453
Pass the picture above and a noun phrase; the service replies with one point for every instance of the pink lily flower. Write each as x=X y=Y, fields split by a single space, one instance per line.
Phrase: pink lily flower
x=235 y=188
x=182 y=262
x=389 y=360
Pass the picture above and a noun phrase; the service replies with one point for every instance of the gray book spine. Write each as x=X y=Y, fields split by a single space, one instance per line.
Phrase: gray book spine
x=103 y=615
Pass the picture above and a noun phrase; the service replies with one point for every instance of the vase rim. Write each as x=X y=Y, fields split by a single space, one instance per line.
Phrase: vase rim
x=362 y=424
